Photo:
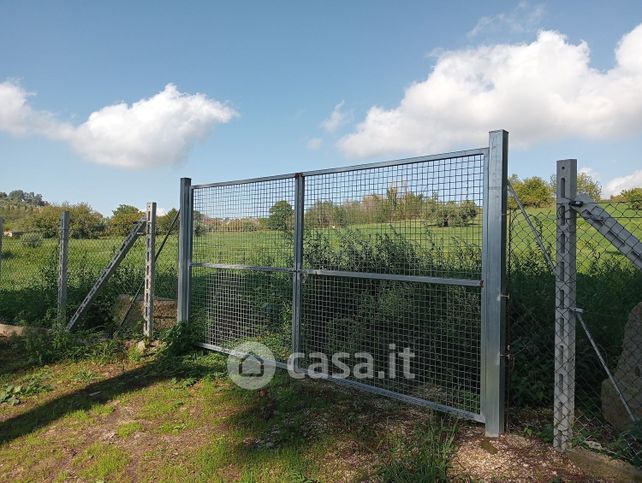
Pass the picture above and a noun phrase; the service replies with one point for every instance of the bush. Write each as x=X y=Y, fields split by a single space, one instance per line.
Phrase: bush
x=181 y=338
x=633 y=197
x=454 y=214
x=31 y=240
x=45 y=347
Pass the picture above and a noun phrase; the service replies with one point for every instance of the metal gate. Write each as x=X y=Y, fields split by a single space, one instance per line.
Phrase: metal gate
x=370 y=261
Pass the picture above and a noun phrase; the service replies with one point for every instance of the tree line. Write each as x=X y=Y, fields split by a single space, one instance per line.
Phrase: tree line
x=29 y=212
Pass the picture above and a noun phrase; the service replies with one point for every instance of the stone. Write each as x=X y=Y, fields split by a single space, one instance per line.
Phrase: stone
x=164 y=311
x=628 y=375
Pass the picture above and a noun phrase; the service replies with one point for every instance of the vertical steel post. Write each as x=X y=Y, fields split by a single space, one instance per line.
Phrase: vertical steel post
x=297 y=288
x=150 y=269
x=184 y=250
x=493 y=322
x=565 y=277
x=63 y=248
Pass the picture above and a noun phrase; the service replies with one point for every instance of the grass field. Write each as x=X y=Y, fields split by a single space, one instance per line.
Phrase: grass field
x=608 y=287
x=132 y=417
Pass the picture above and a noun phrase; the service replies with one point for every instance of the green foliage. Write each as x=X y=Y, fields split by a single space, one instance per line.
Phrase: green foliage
x=586 y=184
x=164 y=222
x=393 y=207
x=425 y=457
x=632 y=196
x=31 y=240
x=281 y=216
x=533 y=192
x=453 y=213
x=123 y=219
x=181 y=337
x=13 y=394
x=45 y=347
x=84 y=221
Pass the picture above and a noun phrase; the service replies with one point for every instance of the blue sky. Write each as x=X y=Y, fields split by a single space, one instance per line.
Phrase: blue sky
x=271 y=74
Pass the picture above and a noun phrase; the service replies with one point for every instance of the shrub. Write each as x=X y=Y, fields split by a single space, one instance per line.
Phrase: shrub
x=44 y=347
x=181 y=338
x=31 y=240
x=633 y=197
x=454 y=214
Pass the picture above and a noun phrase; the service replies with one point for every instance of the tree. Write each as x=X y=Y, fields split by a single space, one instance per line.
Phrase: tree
x=45 y=221
x=281 y=216
x=452 y=213
x=84 y=221
x=123 y=219
x=585 y=184
x=532 y=191
x=633 y=197
x=164 y=222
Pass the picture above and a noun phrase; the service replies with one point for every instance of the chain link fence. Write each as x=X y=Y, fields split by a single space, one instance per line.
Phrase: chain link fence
x=29 y=267
x=607 y=333
x=28 y=276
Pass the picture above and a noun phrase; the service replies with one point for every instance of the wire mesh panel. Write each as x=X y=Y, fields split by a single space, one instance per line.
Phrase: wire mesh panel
x=422 y=218
x=244 y=224
x=374 y=240
x=243 y=263
x=381 y=261
x=244 y=305
x=437 y=325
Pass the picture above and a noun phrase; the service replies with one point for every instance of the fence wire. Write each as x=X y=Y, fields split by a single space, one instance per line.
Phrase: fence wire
x=607 y=333
x=372 y=239
x=29 y=279
x=243 y=259
x=28 y=276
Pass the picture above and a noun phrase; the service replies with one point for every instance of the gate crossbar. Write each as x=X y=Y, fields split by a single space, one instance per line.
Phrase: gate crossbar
x=226 y=282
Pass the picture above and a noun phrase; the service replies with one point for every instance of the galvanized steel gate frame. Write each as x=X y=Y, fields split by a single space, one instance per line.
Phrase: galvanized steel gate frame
x=492 y=282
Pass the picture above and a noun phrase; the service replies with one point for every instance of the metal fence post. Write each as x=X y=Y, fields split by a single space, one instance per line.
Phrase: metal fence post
x=565 y=277
x=298 y=261
x=493 y=323
x=150 y=269
x=63 y=247
x=184 y=250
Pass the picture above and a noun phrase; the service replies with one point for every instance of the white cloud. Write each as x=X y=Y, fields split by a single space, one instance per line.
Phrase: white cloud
x=314 y=144
x=617 y=185
x=522 y=19
x=337 y=118
x=18 y=118
x=157 y=131
x=540 y=91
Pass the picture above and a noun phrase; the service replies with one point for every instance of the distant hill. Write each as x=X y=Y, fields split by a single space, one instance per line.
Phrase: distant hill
x=18 y=206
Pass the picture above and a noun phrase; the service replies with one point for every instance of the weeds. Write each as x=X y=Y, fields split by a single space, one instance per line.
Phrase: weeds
x=13 y=394
x=44 y=347
x=424 y=457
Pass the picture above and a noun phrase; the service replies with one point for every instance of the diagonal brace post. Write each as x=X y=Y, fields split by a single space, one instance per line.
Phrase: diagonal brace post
x=600 y=219
x=108 y=271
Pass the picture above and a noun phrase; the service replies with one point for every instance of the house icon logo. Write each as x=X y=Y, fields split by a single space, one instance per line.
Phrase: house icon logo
x=251 y=365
